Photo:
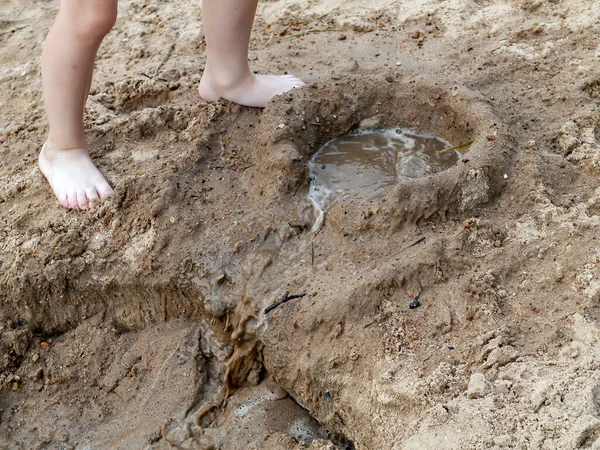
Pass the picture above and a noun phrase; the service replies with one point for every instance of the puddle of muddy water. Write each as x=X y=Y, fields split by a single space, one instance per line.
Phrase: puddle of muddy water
x=365 y=165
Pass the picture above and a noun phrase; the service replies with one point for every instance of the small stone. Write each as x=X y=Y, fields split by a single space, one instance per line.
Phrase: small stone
x=172 y=220
x=477 y=387
x=354 y=66
x=281 y=125
x=530 y=144
x=35 y=357
x=37 y=374
x=414 y=304
x=447 y=317
x=506 y=176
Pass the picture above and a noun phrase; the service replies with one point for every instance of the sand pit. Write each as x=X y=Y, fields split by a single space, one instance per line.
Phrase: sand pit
x=458 y=311
x=452 y=112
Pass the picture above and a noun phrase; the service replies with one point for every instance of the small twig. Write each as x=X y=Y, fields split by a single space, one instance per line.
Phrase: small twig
x=416 y=242
x=283 y=299
x=457 y=147
x=166 y=58
x=373 y=322
x=14 y=30
x=170 y=52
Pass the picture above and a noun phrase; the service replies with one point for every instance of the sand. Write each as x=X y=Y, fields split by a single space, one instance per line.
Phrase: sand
x=142 y=324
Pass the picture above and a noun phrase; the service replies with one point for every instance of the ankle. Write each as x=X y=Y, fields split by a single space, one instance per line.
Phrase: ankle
x=58 y=144
x=52 y=152
x=226 y=80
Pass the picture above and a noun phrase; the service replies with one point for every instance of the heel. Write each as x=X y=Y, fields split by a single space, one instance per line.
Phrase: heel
x=207 y=93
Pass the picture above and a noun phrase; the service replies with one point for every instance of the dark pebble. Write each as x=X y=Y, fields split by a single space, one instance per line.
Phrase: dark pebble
x=414 y=304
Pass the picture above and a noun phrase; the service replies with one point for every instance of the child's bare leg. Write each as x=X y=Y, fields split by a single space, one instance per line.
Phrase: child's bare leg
x=67 y=64
x=227 y=27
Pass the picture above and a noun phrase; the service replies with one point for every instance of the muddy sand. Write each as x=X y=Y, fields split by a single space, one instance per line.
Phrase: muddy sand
x=142 y=324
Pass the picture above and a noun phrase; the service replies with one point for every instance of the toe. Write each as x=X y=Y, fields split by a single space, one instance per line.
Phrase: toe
x=62 y=198
x=294 y=80
x=104 y=190
x=92 y=196
x=82 y=200
x=91 y=193
x=72 y=200
x=298 y=82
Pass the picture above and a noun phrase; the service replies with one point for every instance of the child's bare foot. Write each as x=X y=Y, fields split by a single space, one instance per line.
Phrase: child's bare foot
x=74 y=178
x=253 y=90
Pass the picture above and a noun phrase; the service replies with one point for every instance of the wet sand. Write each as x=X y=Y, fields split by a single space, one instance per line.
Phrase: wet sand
x=142 y=324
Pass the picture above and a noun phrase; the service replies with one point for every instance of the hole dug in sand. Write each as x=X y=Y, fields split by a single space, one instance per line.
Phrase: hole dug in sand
x=297 y=124
x=366 y=164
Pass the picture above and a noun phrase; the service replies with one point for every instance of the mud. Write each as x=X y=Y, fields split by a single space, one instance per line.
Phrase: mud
x=142 y=324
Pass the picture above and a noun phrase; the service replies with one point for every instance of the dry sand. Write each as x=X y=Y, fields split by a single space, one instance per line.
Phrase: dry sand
x=142 y=324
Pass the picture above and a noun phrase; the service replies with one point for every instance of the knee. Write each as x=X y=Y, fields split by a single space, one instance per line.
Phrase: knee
x=93 y=19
